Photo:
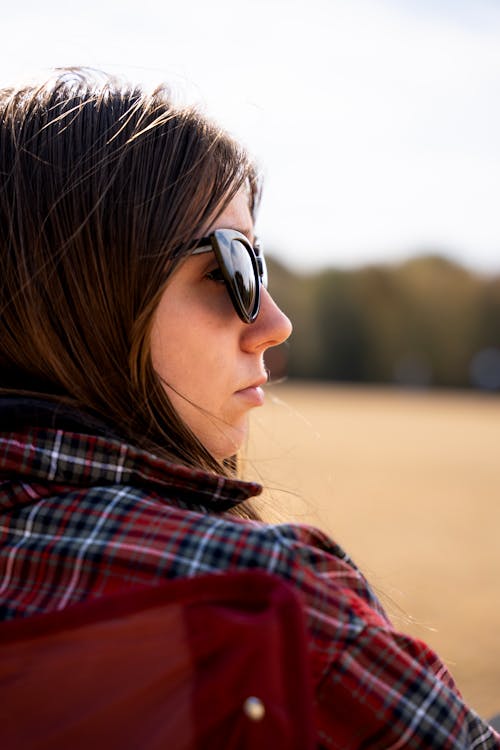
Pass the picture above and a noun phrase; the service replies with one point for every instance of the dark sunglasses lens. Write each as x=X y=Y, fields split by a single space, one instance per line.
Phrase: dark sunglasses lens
x=242 y=272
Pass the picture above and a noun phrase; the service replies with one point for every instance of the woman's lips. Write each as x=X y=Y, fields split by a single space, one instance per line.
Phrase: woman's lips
x=253 y=395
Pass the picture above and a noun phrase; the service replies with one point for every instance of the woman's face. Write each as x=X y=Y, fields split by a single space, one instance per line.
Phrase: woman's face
x=210 y=362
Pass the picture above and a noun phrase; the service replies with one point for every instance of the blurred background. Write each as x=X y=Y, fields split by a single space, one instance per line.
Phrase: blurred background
x=376 y=124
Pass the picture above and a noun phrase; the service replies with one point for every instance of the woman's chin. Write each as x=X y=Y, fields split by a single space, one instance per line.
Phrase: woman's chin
x=228 y=441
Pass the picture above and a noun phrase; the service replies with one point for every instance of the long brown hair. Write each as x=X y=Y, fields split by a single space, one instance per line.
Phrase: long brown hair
x=103 y=189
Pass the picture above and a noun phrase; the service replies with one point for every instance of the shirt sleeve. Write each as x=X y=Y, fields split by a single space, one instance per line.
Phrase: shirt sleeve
x=375 y=687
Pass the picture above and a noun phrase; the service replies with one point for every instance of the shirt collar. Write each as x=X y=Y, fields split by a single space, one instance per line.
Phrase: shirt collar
x=66 y=449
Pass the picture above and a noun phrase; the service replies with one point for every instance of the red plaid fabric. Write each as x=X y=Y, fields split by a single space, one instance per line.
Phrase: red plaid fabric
x=83 y=515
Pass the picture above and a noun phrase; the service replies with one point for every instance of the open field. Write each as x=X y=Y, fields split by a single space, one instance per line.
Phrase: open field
x=409 y=484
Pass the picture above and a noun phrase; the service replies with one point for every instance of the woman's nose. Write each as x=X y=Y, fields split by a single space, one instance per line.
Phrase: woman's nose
x=270 y=328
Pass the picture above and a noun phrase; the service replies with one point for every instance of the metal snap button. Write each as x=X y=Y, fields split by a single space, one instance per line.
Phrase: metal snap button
x=254 y=708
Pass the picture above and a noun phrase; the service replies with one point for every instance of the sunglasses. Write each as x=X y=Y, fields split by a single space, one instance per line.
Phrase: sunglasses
x=243 y=268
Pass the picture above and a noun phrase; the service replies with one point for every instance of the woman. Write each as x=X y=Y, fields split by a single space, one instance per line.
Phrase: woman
x=134 y=321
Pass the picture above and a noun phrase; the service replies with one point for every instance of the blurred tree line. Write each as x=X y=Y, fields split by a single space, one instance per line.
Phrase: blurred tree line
x=425 y=322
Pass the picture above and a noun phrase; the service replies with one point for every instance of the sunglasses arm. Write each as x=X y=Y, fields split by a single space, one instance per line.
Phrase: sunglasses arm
x=203 y=249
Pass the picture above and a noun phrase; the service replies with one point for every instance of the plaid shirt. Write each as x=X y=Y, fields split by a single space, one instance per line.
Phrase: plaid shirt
x=83 y=515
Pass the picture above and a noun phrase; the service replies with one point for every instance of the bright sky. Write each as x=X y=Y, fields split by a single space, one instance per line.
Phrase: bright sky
x=376 y=122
